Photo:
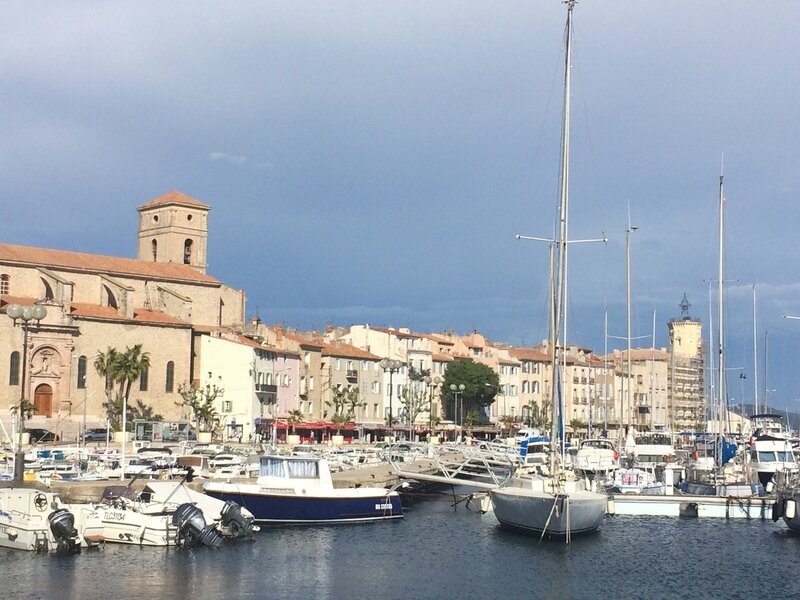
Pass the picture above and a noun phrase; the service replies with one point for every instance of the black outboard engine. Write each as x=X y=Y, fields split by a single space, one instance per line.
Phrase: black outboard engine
x=62 y=526
x=233 y=522
x=192 y=528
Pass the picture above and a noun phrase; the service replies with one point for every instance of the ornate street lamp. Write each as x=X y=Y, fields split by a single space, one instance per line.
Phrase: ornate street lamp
x=431 y=383
x=392 y=366
x=458 y=391
x=22 y=316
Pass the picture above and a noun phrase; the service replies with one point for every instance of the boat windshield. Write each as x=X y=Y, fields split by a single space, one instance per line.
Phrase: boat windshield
x=767 y=457
x=296 y=469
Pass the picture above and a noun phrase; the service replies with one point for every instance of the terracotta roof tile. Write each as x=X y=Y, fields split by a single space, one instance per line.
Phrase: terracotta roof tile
x=528 y=354
x=5 y=300
x=96 y=263
x=396 y=332
x=140 y=315
x=441 y=357
x=174 y=197
x=303 y=341
x=347 y=351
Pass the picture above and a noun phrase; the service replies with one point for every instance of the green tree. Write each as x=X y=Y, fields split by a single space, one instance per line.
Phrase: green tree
x=200 y=400
x=480 y=386
x=472 y=418
x=344 y=402
x=415 y=401
x=140 y=410
x=506 y=422
x=538 y=415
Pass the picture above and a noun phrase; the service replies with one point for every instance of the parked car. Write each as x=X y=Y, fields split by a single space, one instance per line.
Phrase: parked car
x=95 y=435
x=41 y=435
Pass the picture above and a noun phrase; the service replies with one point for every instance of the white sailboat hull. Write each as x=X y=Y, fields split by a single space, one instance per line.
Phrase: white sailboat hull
x=535 y=504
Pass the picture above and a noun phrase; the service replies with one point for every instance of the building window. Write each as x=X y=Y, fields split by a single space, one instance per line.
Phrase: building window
x=154 y=248
x=187 y=252
x=5 y=283
x=311 y=383
x=144 y=377
x=338 y=365
x=110 y=299
x=81 y=383
x=170 y=383
x=227 y=406
x=13 y=374
x=48 y=291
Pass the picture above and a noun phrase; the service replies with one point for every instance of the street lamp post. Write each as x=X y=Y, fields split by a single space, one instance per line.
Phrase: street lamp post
x=458 y=395
x=392 y=366
x=23 y=314
x=432 y=383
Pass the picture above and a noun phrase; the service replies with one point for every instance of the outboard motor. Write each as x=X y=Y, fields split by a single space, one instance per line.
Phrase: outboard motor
x=233 y=521
x=62 y=526
x=192 y=528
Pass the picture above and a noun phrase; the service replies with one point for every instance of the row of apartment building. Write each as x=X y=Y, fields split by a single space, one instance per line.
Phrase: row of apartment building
x=195 y=331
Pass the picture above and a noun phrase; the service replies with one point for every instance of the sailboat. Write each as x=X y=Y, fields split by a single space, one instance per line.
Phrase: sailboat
x=715 y=469
x=556 y=503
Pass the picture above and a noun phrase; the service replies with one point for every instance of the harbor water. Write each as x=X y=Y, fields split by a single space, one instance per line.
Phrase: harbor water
x=436 y=551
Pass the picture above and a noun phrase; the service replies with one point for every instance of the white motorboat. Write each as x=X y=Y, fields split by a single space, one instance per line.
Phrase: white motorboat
x=637 y=480
x=771 y=450
x=653 y=449
x=166 y=513
x=558 y=503
x=37 y=520
x=227 y=464
x=596 y=458
x=299 y=489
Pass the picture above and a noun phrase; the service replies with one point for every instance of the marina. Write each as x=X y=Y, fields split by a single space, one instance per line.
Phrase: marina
x=434 y=549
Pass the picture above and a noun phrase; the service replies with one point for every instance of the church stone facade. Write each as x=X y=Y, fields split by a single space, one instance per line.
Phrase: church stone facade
x=98 y=302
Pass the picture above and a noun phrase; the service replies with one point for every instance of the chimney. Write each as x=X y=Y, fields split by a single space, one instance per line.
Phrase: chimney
x=278 y=334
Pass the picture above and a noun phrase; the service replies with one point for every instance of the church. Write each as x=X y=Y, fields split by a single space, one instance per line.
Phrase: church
x=162 y=299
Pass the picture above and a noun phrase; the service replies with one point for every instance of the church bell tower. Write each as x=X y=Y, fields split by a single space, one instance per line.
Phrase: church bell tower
x=173 y=228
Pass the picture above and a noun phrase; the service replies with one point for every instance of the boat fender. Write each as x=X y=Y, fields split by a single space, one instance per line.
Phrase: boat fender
x=790 y=509
x=777 y=510
x=610 y=507
x=770 y=486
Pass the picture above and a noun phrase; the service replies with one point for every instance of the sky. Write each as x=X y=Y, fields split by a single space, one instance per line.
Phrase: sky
x=372 y=162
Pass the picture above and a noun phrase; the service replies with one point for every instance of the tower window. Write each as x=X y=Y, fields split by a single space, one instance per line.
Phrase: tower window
x=154 y=246
x=5 y=283
x=187 y=252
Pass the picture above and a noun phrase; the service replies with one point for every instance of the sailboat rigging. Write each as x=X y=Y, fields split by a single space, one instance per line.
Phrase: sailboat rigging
x=555 y=503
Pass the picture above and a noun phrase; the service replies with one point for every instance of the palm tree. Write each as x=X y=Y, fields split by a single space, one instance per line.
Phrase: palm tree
x=105 y=365
x=130 y=365
x=121 y=368
x=295 y=417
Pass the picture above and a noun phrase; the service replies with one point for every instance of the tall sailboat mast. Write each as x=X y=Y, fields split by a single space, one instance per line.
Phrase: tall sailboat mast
x=721 y=388
x=755 y=356
x=559 y=293
x=720 y=292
